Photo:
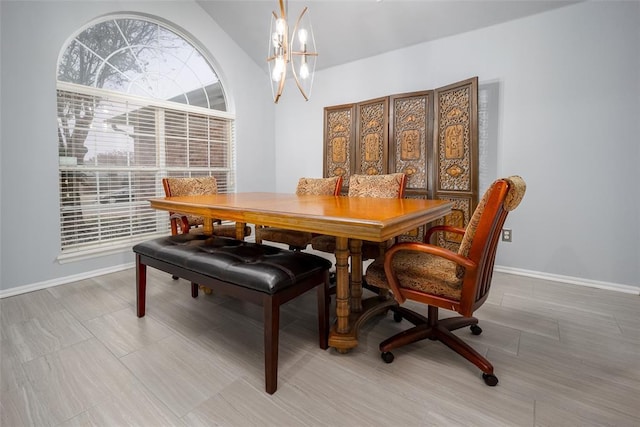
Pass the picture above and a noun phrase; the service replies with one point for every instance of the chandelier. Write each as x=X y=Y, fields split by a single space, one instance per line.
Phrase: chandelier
x=299 y=51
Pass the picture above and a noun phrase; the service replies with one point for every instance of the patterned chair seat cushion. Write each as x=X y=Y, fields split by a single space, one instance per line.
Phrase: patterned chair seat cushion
x=420 y=271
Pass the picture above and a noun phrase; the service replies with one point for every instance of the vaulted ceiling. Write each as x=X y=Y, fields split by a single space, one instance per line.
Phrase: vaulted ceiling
x=350 y=30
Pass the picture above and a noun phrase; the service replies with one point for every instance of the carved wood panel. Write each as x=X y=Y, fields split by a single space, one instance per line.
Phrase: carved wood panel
x=463 y=207
x=456 y=137
x=339 y=138
x=410 y=138
x=372 y=133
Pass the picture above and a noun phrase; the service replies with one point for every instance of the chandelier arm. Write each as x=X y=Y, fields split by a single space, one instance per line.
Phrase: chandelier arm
x=293 y=69
x=281 y=84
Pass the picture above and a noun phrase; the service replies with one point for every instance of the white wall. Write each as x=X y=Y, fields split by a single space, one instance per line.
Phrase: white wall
x=564 y=110
x=32 y=35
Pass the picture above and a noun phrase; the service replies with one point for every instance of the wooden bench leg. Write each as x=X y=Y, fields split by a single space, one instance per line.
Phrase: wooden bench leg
x=141 y=286
x=271 y=306
x=194 y=290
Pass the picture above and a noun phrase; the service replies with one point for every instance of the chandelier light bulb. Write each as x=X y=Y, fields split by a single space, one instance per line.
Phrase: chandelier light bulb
x=304 y=71
x=303 y=37
x=278 y=68
x=281 y=25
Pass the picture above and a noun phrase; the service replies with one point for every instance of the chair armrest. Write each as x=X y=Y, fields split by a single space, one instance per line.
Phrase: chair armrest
x=394 y=283
x=445 y=228
x=430 y=249
x=184 y=223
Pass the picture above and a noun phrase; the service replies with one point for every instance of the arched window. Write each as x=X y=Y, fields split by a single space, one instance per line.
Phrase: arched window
x=136 y=102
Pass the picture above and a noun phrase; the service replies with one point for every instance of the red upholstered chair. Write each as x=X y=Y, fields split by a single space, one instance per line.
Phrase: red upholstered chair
x=440 y=278
x=299 y=240
x=181 y=224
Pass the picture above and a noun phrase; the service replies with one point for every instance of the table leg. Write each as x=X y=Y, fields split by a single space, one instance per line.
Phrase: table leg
x=240 y=230
x=355 y=247
x=344 y=334
x=342 y=285
x=207 y=227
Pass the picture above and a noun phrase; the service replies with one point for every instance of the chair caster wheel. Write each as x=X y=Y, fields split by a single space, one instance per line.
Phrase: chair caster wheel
x=490 y=379
x=397 y=317
x=387 y=356
x=476 y=330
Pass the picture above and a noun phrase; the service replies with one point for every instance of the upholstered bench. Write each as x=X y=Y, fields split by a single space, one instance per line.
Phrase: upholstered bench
x=257 y=273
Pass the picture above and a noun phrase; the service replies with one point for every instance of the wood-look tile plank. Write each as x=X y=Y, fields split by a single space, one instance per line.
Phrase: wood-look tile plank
x=91 y=301
x=21 y=406
x=519 y=319
x=11 y=372
x=75 y=378
x=123 y=332
x=45 y=334
x=179 y=372
x=242 y=404
x=570 y=412
x=134 y=406
x=23 y=307
x=543 y=379
x=352 y=397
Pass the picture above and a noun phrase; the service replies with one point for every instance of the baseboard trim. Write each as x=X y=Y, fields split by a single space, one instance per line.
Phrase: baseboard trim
x=628 y=289
x=5 y=293
x=634 y=290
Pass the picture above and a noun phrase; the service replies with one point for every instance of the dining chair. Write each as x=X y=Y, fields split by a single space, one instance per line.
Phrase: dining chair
x=299 y=240
x=387 y=186
x=181 y=224
x=440 y=278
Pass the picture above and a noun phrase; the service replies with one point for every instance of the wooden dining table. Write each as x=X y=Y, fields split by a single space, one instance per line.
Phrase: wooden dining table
x=350 y=219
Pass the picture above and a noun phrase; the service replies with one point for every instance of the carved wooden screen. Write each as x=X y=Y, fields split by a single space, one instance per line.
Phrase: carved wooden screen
x=411 y=140
x=339 y=142
x=431 y=136
x=411 y=147
x=372 y=132
x=456 y=147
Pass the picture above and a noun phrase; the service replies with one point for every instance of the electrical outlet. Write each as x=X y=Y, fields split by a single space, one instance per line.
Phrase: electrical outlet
x=506 y=235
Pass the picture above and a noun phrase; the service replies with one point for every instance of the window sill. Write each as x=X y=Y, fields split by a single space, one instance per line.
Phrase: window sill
x=80 y=254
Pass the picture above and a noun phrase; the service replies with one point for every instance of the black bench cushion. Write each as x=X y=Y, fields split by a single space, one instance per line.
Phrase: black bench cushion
x=260 y=267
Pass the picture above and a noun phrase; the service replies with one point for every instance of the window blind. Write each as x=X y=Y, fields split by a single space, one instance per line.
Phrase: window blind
x=115 y=149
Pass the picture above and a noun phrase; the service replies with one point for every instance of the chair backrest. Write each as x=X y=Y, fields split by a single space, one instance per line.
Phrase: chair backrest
x=189 y=187
x=481 y=237
x=386 y=186
x=319 y=186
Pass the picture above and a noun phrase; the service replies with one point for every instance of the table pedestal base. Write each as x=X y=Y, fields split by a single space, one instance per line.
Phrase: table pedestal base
x=343 y=342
